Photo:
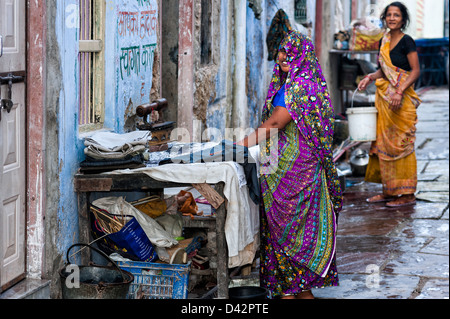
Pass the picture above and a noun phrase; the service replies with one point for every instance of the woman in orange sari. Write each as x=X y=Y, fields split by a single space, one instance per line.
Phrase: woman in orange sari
x=392 y=157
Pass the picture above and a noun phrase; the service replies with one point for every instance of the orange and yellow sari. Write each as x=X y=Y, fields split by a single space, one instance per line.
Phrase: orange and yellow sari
x=392 y=157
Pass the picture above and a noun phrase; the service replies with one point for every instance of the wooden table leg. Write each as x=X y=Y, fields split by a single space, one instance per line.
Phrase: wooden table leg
x=84 y=225
x=222 y=250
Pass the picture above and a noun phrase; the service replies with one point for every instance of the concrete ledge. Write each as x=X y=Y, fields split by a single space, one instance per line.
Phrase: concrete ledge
x=28 y=289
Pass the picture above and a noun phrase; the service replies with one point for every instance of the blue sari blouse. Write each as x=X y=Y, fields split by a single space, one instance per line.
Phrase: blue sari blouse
x=278 y=100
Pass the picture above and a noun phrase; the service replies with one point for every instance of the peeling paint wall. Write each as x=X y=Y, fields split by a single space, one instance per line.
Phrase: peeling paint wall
x=70 y=148
x=135 y=30
x=62 y=147
x=256 y=88
x=169 y=58
x=219 y=111
x=222 y=88
x=242 y=72
x=205 y=75
x=229 y=91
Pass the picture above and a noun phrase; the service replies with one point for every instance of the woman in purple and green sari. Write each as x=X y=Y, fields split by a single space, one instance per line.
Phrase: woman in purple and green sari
x=302 y=194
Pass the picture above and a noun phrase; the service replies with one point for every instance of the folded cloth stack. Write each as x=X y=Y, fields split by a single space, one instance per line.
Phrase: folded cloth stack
x=109 y=145
x=108 y=151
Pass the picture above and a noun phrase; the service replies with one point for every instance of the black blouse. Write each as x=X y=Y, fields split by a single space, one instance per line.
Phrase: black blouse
x=399 y=54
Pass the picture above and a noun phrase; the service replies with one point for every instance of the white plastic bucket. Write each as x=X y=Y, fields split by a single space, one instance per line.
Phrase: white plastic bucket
x=362 y=123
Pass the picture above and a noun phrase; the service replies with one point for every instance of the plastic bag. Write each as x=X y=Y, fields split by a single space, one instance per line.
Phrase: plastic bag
x=152 y=206
x=133 y=239
x=173 y=224
x=365 y=36
x=364 y=42
x=155 y=232
x=122 y=234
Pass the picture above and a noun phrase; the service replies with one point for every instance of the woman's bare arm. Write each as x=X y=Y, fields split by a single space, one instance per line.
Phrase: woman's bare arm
x=413 y=59
x=279 y=119
x=362 y=85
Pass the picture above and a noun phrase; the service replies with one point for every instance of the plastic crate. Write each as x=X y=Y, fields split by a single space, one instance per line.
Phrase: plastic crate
x=436 y=42
x=157 y=280
x=433 y=57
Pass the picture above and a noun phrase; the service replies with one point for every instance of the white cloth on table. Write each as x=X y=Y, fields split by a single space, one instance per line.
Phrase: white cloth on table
x=242 y=220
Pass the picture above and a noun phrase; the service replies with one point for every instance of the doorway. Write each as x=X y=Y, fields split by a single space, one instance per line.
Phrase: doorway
x=13 y=142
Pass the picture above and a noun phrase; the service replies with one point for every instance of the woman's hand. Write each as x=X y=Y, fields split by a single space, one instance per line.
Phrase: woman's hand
x=397 y=97
x=362 y=85
x=396 y=100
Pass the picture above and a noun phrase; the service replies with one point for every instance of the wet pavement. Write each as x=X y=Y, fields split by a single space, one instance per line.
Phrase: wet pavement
x=400 y=253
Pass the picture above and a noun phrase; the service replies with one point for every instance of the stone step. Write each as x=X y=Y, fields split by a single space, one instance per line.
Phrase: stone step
x=28 y=289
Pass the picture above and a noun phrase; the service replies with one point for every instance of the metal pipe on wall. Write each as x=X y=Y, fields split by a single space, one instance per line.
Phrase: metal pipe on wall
x=240 y=109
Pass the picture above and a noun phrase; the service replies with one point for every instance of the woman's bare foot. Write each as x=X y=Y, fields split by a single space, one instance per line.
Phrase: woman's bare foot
x=404 y=200
x=305 y=295
x=379 y=198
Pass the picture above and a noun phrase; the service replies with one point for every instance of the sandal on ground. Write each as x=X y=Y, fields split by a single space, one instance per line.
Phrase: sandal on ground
x=379 y=198
x=402 y=201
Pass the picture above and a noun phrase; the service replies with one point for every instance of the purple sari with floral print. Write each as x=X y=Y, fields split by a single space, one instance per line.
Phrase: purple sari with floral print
x=302 y=197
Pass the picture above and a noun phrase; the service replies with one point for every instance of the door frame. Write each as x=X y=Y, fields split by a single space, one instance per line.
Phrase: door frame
x=36 y=22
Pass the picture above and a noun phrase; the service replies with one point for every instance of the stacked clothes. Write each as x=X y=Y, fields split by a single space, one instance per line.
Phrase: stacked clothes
x=106 y=151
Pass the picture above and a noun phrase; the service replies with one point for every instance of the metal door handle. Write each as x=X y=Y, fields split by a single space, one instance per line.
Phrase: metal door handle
x=11 y=77
x=7 y=104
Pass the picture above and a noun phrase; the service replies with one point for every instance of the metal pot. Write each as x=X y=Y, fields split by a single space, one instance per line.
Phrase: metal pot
x=95 y=282
x=359 y=159
x=340 y=131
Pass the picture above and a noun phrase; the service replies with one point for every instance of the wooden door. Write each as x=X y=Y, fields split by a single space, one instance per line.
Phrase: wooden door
x=12 y=142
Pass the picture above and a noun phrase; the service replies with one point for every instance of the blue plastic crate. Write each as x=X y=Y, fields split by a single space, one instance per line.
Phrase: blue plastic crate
x=436 y=42
x=157 y=280
x=433 y=57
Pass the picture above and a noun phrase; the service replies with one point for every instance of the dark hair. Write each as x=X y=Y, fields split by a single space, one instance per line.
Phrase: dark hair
x=403 y=9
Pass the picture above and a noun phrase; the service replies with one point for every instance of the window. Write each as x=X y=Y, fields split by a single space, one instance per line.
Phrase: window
x=91 y=65
x=300 y=15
